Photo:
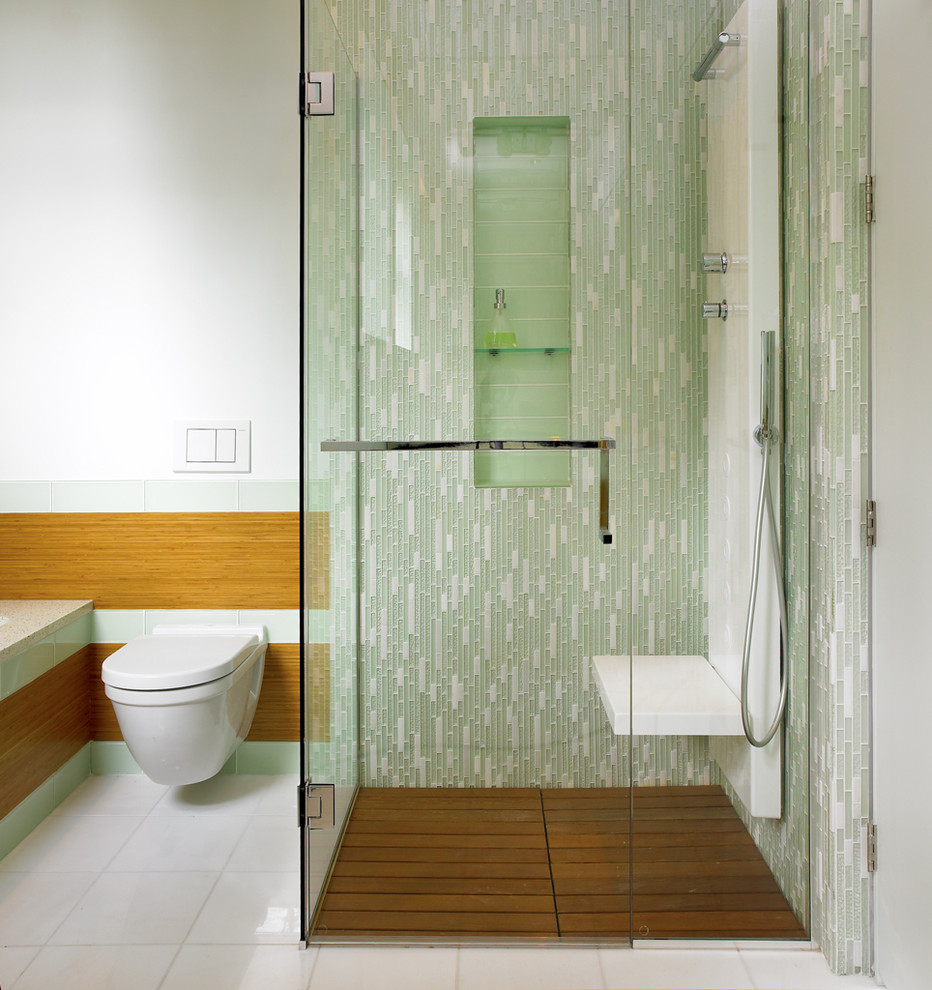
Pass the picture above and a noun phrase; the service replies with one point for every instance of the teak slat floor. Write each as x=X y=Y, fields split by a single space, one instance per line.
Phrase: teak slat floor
x=551 y=863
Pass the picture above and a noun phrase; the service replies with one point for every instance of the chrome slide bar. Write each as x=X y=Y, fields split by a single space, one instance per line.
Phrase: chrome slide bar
x=765 y=435
x=493 y=446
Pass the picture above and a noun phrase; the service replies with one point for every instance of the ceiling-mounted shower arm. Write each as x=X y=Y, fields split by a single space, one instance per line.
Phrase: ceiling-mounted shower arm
x=500 y=446
x=704 y=68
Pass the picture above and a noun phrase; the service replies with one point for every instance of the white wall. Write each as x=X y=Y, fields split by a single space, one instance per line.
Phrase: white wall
x=148 y=232
x=902 y=476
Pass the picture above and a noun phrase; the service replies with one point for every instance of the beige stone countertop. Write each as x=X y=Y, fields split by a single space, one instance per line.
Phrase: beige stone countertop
x=29 y=621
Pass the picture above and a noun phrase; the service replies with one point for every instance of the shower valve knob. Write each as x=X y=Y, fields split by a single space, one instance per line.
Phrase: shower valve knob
x=715 y=311
x=715 y=263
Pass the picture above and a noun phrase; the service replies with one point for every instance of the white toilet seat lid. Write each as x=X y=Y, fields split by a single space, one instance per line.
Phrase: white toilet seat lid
x=159 y=663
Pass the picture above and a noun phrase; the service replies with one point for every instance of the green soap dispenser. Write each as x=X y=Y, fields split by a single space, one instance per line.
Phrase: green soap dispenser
x=500 y=334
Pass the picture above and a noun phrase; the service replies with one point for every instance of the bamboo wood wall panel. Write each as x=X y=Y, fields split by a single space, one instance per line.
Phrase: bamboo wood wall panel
x=278 y=712
x=42 y=725
x=103 y=722
x=151 y=560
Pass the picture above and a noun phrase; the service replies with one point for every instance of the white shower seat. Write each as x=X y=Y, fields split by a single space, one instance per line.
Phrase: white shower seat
x=673 y=696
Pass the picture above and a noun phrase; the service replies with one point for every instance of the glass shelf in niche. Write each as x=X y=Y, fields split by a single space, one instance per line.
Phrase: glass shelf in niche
x=495 y=351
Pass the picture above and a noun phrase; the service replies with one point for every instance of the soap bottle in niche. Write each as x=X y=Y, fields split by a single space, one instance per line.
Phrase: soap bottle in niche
x=500 y=334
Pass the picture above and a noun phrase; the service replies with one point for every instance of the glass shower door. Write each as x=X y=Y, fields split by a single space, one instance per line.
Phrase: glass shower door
x=329 y=611
x=485 y=585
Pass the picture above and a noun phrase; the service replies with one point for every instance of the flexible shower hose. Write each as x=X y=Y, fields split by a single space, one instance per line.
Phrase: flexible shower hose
x=764 y=507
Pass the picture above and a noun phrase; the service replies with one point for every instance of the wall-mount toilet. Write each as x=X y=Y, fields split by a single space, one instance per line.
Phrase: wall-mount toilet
x=185 y=696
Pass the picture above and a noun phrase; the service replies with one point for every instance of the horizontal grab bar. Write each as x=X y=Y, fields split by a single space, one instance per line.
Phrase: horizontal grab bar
x=490 y=446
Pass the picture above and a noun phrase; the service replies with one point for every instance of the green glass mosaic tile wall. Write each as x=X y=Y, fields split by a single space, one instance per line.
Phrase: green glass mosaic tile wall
x=668 y=403
x=481 y=609
x=840 y=681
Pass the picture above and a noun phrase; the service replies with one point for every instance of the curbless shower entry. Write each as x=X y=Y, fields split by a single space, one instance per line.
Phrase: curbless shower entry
x=454 y=624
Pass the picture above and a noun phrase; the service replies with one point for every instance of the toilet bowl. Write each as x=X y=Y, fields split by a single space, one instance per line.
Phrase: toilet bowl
x=185 y=696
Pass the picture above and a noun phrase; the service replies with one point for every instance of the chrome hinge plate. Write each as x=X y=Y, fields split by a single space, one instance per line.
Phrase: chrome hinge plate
x=869 y=199
x=316 y=806
x=871 y=519
x=871 y=847
x=316 y=94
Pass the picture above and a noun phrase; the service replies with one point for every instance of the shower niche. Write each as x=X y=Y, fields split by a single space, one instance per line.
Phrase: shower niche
x=521 y=306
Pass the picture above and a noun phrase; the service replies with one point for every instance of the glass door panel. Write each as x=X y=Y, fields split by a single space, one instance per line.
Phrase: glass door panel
x=330 y=401
x=486 y=590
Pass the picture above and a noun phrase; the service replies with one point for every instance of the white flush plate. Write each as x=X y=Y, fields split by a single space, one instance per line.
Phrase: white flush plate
x=213 y=446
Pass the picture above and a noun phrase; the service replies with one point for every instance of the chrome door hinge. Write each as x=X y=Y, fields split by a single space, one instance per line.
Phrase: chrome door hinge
x=869 y=199
x=315 y=94
x=316 y=806
x=871 y=847
x=871 y=519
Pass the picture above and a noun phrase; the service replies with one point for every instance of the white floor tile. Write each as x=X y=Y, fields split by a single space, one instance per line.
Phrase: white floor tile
x=177 y=842
x=529 y=969
x=98 y=967
x=753 y=944
x=225 y=794
x=113 y=794
x=130 y=882
x=269 y=843
x=33 y=905
x=278 y=795
x=251 y=909
x=393 y=968
x=241 y=967
x=797 y=971
x=665 y=944
x=13 y=960
x=136 y=909
x=71 y=843
x=684 y=969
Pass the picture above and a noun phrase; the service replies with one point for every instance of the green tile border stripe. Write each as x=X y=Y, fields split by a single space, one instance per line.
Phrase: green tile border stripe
x=31 y=811
x=161 y=495
x=249 y=758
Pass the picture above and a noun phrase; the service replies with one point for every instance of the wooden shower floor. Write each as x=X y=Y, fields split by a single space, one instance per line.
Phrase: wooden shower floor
x=551 y=863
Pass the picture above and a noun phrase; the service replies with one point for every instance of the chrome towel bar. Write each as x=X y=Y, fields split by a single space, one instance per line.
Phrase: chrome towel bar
x=603 y=446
